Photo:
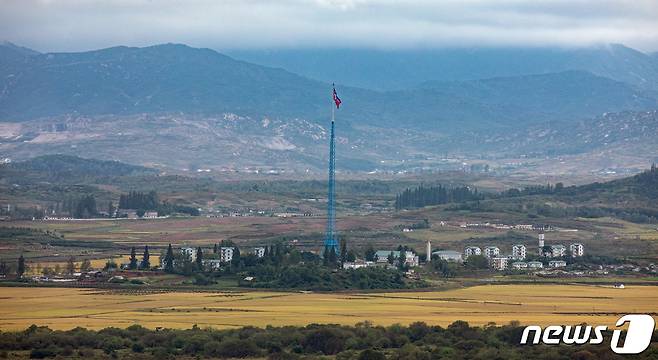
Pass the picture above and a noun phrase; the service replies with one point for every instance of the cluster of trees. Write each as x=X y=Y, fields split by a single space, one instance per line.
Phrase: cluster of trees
x=364 y=341
x=134 y=263
x=150 y=201
x=83 y=207
x=139 y=200
x=434 y=195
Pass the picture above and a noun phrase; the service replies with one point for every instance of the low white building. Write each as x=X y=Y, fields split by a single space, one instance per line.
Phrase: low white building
x=558 y=250
x=448 y=255
x=535 y=265
x=577 y=250
x=259 y=251
x=519 y=265
x=472 y=250
x=519 y=252
x=491 y=251
x=557 y=263
x=226 y=253
x=150 y=215
x=213 y=264
x=499 y=263
x=358 y=264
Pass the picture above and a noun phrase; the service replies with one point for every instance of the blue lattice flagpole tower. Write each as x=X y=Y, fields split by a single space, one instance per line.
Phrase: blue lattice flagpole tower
x=330 y=242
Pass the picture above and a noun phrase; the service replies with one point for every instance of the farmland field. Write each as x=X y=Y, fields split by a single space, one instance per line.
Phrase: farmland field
x=65 y=308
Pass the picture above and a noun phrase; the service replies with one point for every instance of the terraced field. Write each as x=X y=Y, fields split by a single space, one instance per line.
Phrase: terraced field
x=65 y=308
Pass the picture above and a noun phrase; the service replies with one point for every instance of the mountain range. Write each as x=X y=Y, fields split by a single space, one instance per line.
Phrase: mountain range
x=175 y=106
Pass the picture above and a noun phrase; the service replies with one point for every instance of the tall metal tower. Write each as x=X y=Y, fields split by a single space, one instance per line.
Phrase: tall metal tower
x=330 y=242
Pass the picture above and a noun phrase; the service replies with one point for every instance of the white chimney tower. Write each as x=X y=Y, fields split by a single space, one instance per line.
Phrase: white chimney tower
x=429 y=251
x=541 y=244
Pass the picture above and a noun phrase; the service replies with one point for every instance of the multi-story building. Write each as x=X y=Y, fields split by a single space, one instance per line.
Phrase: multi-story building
x=558 y=250
x=557 y=263
x=577 y=250
x=226 y=253
x=259 y=251
x=491 y=251
x=518 y=252
x=499 y=263
x=472 y=250
x=189 y=252
x=540 y=243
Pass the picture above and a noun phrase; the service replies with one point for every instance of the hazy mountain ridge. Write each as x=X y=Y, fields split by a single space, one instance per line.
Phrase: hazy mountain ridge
x=176 y=78
x=400 y=69
x=176 y=106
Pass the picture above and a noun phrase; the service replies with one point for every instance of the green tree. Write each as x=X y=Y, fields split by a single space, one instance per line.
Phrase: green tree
x=235 y=261
x=146 y=262
x=351 y=256
x=343 y=251
x=391 y=258
x=199 y=259
x=370 y=253
x=70 y=266
x=476 y=262
x=169 y=260
x=133 y=259
x=20 y=269
x=110 y=209
x=85 y=266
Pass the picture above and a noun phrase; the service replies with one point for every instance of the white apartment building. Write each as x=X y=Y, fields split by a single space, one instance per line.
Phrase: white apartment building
x=189 y=252
x=499 y=263
x=519 y=265
x=577 y=250
x=491 y=251
x=472 y=250
x=558 y=250
x=226 y=254
x=518 y=251
x=259 y=251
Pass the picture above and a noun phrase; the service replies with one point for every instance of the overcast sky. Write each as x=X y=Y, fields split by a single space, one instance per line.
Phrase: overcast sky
x=69 y=25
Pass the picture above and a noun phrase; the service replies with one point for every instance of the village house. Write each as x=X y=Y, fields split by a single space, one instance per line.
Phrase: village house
x=519 y=265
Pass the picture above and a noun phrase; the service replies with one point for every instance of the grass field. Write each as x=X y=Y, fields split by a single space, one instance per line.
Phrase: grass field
x=65 y=308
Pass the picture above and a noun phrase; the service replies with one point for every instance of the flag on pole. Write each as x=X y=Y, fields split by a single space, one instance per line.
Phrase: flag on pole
x=336 y=98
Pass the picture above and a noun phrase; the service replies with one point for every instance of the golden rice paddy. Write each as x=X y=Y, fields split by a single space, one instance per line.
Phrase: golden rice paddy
x=65 y=308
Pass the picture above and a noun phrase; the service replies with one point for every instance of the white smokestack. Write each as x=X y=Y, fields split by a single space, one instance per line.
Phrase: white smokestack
x=429 y=251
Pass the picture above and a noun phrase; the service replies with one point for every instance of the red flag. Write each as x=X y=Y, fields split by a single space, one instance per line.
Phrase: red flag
x=336 y=98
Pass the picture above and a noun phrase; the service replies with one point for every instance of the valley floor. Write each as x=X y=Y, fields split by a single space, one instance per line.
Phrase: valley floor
x=66 y=308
